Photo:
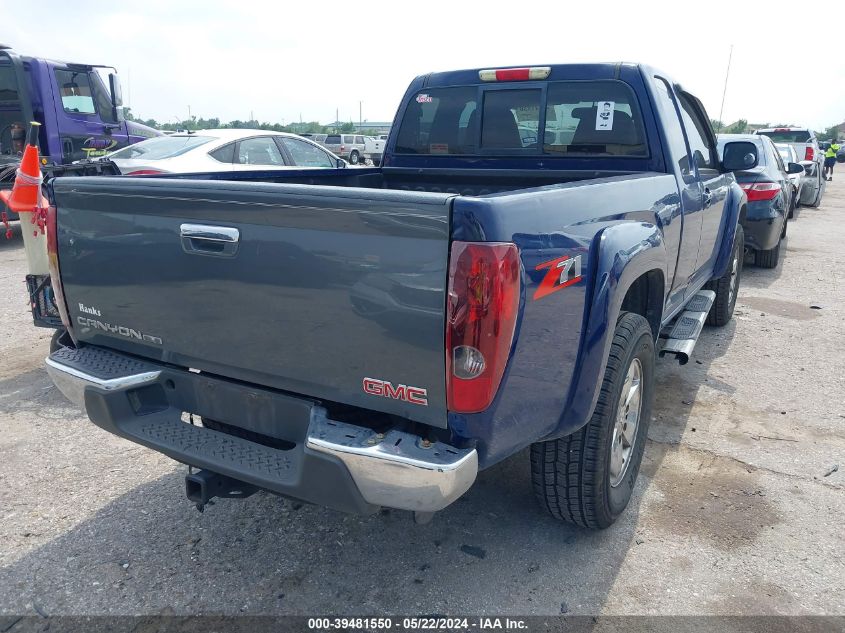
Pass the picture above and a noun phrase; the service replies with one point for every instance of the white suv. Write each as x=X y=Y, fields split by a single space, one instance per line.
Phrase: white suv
x=352 y=147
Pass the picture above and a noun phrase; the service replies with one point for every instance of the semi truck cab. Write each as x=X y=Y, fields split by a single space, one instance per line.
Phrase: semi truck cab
x=79 y=107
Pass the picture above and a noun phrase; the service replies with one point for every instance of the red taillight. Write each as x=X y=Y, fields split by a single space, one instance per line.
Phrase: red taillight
x=481 y=315
x=760 y=190
x=55 y=277
x=809 y=153
x=144 y=172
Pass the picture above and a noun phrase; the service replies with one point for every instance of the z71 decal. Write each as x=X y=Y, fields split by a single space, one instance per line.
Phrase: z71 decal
x=562 y=272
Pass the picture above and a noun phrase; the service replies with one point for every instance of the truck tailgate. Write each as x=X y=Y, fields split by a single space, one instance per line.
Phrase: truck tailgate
x=309 y=289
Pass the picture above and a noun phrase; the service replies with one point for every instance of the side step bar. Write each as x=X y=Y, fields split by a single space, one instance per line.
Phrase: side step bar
x=686 y=329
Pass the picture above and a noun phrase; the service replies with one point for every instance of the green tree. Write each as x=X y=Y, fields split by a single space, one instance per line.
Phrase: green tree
x=717 y=125
x=201 y=123
x=830 y=134
x=208 y=124
x=738 y=128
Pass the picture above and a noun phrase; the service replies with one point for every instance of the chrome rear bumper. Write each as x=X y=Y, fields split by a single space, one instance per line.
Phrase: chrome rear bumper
x=394 y=469
x=397 y=469
x=72 y=382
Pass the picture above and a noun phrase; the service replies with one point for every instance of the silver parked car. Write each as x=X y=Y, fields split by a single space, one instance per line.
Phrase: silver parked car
x=222 y=150
x=787 y=153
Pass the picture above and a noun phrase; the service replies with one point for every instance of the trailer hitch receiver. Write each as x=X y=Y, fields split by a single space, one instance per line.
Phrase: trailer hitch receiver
x=203 y=485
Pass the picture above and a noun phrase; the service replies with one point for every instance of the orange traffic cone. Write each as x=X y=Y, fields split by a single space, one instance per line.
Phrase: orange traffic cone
x=25 y=195
x=25 y=198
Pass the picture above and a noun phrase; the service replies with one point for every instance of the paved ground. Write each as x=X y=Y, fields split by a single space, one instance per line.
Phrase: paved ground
x=734 y=513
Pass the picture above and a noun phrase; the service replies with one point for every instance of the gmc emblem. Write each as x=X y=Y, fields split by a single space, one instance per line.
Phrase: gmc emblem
x=385 y=389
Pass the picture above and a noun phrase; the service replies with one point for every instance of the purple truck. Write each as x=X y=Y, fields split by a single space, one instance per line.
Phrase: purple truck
x=78 y=106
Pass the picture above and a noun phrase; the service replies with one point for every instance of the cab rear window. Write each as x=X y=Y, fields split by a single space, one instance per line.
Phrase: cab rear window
x=595 y=118
x=788 y=136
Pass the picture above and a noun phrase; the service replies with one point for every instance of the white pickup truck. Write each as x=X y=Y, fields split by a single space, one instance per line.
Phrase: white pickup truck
x=374 y=148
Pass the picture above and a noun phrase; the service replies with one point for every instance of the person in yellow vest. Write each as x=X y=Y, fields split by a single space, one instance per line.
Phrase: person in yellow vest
x=830 y=159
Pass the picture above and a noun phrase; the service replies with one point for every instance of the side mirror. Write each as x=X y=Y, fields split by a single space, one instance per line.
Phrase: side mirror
x=794 y=168
x=116 y=93
x=341 y=164
x=739 y=155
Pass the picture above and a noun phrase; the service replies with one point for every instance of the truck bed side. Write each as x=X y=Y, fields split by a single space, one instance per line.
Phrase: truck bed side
x=619 y=237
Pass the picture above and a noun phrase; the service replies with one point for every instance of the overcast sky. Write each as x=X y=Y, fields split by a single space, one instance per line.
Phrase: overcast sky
x=280 y=60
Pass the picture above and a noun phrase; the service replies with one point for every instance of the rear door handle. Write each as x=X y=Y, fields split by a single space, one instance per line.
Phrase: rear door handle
x=204 y=239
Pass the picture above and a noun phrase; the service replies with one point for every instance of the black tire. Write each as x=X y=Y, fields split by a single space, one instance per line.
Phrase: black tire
x=818 y=199
x=792 y=206
x=769 y=258
x=571 y=475
x=354 y=157
x=60 y=339
x=726 y=287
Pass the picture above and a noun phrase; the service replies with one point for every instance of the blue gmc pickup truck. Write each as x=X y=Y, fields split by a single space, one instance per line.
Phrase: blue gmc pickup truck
x=373 y=337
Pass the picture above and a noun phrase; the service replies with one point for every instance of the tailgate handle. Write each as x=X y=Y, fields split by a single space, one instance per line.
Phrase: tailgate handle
x=202 y=239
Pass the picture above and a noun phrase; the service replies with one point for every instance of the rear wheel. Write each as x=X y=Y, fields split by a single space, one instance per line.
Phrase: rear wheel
x=818 y=199
x=354 y=157
x=60 y=340
x=587 y=478
x=726 y=287
x=769 y=258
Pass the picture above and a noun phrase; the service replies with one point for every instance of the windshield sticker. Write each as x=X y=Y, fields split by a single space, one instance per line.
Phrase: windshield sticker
x=423 y=98
x=604 y=115
x=438 y=148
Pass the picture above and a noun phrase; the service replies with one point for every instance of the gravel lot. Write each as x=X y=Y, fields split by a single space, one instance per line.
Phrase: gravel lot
x=734 y=512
